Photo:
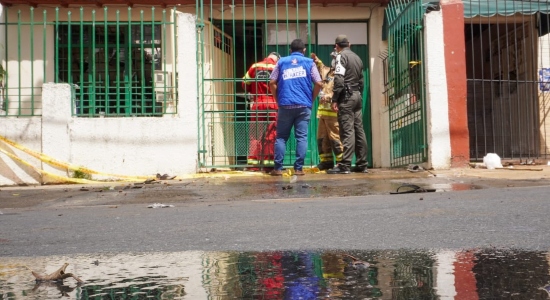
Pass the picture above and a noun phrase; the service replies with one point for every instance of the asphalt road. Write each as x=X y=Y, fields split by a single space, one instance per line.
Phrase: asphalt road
x=507 y=217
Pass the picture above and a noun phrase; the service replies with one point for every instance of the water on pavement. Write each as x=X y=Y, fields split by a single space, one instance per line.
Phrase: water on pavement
x=337 y=274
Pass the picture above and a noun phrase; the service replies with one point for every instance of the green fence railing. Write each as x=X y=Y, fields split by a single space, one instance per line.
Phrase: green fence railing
x=122 y=61
x=405 y=89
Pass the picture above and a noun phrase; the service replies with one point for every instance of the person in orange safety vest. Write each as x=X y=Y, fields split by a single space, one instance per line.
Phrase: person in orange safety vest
x=263 y=120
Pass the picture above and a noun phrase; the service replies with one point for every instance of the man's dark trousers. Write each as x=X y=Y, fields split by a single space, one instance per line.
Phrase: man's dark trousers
x=352 y=134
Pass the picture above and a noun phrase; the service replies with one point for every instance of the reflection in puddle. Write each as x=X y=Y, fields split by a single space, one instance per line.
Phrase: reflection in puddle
x=477 y=274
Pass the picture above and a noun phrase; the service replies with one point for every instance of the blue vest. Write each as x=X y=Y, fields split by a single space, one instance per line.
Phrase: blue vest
x=294 y=84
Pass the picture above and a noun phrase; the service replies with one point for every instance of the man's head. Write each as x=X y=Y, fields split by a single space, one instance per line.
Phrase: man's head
x=341 y=42
x=274 y=55
x=297 y=46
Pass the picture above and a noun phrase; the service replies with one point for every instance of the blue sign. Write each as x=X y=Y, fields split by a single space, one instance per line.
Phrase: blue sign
x=544 y=79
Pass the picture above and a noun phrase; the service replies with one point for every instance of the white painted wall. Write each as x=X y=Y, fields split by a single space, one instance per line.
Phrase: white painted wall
x=140 y=146
x=439 y=139
x=379 y=111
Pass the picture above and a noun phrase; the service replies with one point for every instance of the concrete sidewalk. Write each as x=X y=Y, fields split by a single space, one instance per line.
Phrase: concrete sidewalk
x=246 y=186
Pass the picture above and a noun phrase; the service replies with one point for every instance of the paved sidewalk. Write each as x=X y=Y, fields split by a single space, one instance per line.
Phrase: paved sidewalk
x=246 y=186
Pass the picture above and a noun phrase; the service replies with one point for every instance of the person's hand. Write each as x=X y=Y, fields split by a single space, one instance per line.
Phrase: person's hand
x=334 y=106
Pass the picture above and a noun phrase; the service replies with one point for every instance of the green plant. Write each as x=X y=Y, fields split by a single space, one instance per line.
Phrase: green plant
x=82 y=175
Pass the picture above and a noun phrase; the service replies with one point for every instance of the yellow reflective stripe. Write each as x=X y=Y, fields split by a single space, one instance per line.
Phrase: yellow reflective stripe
x=321 y=112
x=260 y=65
x=246 y=78
x=258 y=162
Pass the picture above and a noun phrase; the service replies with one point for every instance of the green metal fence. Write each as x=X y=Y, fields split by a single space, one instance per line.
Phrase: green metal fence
x=232 y=37
x=120 y=61
x=405 y=90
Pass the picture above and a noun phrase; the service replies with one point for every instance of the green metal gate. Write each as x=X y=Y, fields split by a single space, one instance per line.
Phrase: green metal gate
x=231 y=38
x=405 y=90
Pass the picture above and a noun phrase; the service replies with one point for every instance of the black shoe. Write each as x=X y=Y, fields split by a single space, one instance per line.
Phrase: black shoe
x=339 y=170
x=324 y=166
x=358 y=169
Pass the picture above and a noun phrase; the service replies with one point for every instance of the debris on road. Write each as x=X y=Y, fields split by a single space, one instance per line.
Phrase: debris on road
x=411 y=188
x=58 y=275
x=293 y=178
x=159 y=205
x=165 y=177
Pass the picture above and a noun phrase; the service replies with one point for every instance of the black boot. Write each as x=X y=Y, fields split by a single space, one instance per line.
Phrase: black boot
x=325 y=166
x=358 y=169
x=339 y=169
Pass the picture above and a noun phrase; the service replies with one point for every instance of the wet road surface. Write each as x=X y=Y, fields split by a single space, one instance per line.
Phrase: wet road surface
x=335 y=274
x=237 y=237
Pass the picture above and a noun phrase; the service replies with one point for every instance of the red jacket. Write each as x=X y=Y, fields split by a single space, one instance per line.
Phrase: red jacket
x=256 y=83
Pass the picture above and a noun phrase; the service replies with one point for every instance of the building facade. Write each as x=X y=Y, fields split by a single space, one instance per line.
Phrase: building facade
x=126 y=89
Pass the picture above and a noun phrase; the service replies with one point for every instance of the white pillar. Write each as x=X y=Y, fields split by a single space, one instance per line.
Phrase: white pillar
x=186 y=66
x=379 y=111
x=445 y=279
x=439 y=138
x=56 y=115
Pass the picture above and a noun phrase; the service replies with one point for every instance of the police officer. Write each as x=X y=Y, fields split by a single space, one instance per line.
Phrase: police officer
x=347 y=101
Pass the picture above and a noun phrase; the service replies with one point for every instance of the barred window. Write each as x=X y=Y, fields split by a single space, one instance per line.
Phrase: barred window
x=116 y=68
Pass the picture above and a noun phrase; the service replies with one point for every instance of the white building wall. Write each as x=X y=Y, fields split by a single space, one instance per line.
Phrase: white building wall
x=136 y=146
x=439 y=138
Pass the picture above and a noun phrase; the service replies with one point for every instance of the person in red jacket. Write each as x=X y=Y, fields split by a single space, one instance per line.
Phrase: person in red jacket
x=263 y=120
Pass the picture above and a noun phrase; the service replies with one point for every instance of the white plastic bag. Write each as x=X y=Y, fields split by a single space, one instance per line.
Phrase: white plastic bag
x=492 y=161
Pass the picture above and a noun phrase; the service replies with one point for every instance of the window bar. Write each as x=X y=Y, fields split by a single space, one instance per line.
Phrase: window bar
x=153 y=50
x=68 y=64
x=223 y=74
x=173 y=88
x=6 y=69
x=128 y=59
x=163 y=50
x=142 y=63
x=118 y=108
x=200 y=79
x=106 y=61
x=245 y=66
x=32 y=59
x=44 y=32
x=19 y=60
x=91 y=52
x=82 y=81
x=56 y=45
x=235 y=81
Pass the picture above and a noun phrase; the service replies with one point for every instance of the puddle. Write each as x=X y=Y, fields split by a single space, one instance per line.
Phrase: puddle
x=391 y=274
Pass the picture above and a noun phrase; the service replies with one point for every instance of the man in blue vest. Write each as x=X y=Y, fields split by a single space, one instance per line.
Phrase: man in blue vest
x=291 y=85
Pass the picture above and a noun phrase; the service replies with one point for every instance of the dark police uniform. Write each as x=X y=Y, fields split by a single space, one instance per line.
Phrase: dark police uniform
x=348 y=86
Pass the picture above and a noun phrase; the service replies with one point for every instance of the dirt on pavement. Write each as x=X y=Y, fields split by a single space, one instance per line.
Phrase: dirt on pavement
x=243 y=186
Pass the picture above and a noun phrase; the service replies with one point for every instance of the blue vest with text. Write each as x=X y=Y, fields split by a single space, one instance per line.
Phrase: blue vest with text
x=294 y=85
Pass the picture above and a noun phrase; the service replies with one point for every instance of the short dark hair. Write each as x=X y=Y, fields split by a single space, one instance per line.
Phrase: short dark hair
x=343 y=45
x=342 y=41
x=297 y=45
